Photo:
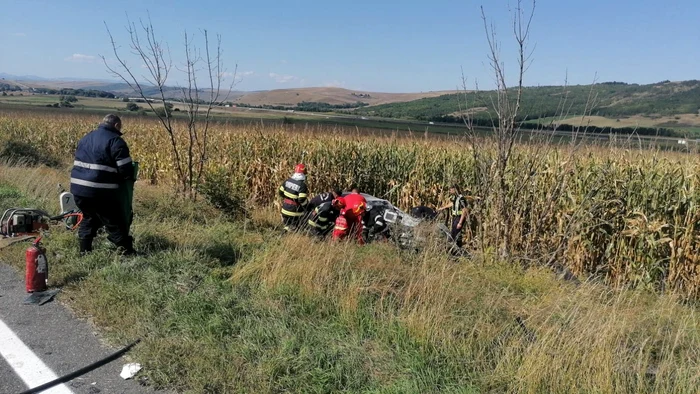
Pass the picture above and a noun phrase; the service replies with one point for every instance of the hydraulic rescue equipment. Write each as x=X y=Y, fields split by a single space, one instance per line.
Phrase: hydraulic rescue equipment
x=23 y=221
x=20 y=224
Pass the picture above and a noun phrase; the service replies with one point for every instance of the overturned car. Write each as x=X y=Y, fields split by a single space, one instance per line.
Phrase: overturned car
x=402 y=228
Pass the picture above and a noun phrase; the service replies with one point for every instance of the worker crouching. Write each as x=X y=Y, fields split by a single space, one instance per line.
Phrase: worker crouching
x=349 y=223
x=375 y=227
x=325 y=209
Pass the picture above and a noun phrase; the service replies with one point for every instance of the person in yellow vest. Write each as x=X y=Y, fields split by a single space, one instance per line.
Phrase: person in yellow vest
x=459 y=211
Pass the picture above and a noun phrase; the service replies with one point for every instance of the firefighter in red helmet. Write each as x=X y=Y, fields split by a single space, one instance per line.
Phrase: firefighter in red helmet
x=294 y=193
x=350 y=220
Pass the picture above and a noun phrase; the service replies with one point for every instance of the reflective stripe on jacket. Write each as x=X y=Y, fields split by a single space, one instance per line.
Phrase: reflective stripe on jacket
x=102 y=163
x=295 y=197
x=323 y=216
x=374 y=220
x=459 y=203
x=320 y=199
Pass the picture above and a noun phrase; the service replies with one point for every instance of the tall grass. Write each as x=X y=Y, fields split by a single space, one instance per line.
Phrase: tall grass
x=231 y=307
x=572 y=339
x=629 y=217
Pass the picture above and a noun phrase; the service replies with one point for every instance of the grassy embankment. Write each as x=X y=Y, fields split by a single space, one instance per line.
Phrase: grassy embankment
x=229 y=306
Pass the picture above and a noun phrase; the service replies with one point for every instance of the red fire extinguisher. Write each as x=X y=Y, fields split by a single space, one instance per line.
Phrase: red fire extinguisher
x=37 y=268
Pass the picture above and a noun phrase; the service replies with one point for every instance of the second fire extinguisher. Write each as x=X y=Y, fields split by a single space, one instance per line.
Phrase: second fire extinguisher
x=37 y=268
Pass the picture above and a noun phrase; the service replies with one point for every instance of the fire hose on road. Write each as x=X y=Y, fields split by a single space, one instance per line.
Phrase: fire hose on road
x=82 y=371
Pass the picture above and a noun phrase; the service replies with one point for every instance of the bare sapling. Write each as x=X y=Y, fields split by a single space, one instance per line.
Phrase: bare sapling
x=508 y=211
x=188 y=140
x=491 y=173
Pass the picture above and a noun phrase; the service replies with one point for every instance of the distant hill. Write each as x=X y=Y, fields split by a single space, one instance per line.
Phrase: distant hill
x=118 y=88
x=279 y=97
x=122 y=89
x=11 y=84
x=610 y=104
x=292 y=97
x=34 y=78
x=611 y=99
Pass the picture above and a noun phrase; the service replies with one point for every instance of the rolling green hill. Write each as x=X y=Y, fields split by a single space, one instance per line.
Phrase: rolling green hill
x=610 y=99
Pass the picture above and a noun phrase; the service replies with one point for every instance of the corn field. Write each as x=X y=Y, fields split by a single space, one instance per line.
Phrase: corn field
x=629 y=217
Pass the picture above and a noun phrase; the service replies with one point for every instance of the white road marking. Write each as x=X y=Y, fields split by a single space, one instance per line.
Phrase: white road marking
x=25 y=363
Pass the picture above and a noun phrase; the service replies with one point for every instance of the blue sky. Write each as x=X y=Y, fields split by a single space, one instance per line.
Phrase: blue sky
x=400 y=46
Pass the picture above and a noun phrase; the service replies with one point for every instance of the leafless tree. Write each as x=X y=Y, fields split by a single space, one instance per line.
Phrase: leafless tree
x=492 y=152
x=190 y=155
x=506 y=104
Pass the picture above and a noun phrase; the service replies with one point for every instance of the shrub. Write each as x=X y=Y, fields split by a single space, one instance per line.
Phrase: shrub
x=26 y=153
x=223 y=192
x=69 y=99
x=162 y=111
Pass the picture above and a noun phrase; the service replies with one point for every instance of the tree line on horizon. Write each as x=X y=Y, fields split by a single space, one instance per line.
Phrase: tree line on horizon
x=609 y=99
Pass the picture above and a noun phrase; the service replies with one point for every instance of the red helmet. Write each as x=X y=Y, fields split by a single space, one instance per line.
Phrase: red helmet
x=300 y=168
x=356 y=204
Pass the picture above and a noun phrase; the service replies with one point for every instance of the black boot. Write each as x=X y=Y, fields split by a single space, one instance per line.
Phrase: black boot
x=127 y=246
x=85 y=246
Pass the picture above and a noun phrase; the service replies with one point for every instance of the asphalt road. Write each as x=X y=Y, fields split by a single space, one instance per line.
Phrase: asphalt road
x=63 y=342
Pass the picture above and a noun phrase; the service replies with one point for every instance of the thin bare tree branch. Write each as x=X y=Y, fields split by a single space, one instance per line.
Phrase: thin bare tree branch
x=189 y=160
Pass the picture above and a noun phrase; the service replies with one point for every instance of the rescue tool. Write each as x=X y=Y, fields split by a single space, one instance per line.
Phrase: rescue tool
x=17 y=222
x=21 y=224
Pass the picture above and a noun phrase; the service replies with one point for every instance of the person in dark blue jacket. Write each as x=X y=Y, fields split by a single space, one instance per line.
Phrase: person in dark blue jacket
x=101 y=169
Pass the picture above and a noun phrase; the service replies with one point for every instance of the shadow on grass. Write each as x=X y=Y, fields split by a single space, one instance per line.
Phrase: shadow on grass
x=227 y=254
x=152 y=243
x=73 y=278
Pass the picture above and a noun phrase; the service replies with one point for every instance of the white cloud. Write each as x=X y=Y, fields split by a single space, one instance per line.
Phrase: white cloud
x=241 y=75
x=238 y=75
x=80 y=58
x=227 y=74
x=19 y=34
x=283 y=78
x=334 y=84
